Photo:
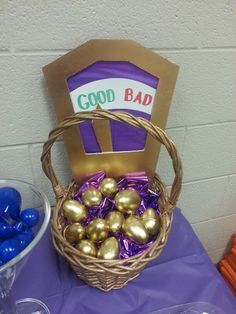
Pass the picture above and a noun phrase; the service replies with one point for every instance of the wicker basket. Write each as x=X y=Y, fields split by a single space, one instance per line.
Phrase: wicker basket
x=102 y=274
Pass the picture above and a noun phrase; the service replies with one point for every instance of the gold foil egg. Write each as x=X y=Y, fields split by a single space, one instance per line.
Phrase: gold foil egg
x=91 y=197
x=151 y=221
x=74 y=232
x=127 y=201
x=87 y=247
x=97 y=230
x=115 y=220
x=134 y=228
x=109 y=249
x=74 y=211
x=108 y=186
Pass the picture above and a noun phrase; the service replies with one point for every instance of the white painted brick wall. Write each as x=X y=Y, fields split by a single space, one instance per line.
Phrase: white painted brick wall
x=200 y=36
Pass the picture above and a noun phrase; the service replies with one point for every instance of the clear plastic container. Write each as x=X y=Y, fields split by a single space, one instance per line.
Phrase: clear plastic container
x=31 y=197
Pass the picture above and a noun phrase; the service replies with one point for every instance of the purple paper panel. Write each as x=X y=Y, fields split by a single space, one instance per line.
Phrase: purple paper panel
x=111 y=69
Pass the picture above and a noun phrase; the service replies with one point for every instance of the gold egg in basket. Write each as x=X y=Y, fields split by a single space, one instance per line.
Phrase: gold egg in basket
x=74 y=211
x=109 y=249
x=74 y=232
x=151 y=221
x=87 y=247
x=97 y=230
x=127 y=201
x=91 y=197
x=108 y=187
x=115 y=220
x=134 y=228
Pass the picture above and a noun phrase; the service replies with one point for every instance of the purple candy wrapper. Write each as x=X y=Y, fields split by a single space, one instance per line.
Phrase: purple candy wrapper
x=136 y=181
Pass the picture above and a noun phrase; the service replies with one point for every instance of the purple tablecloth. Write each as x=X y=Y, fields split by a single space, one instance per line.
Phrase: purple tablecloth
x=182 y=274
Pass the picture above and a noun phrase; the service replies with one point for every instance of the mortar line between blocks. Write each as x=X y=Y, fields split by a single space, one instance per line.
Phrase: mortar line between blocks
x=195 y=126
x=184 y=142
x=206 y=179
x=196 y=49
x=210 y=124
x=39 y=52
x=212 y=219
x=211 y=251
x=31 y=163
x=33 y=52
x=225 y=188
x=14 y=146
x=25 y=144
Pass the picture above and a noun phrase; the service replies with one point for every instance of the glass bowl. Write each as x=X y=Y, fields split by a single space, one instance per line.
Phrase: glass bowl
x=32 y=197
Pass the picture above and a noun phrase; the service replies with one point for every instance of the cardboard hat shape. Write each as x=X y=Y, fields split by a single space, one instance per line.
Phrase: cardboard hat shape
x=113 y=75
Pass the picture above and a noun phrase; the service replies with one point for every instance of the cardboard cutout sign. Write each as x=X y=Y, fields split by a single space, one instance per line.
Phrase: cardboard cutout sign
x=114 y=75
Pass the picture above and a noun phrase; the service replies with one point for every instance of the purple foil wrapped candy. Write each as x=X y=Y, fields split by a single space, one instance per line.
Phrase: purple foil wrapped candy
x=129 y=248
x=148 y=200
x=106 y=206
x=136 y=181
x=94 y=182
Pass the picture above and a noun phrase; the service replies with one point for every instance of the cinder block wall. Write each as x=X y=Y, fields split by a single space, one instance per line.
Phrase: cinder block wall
x=200 y=36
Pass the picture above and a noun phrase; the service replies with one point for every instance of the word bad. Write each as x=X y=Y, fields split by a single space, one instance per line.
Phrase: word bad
x=140 y=98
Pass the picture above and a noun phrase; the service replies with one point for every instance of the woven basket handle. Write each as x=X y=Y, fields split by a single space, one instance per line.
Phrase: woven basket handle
x=140 y=123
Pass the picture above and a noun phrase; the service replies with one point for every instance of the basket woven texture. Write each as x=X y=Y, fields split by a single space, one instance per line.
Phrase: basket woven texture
x=103 y=274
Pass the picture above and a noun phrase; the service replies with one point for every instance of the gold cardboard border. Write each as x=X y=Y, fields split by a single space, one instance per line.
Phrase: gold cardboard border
x=114 y=163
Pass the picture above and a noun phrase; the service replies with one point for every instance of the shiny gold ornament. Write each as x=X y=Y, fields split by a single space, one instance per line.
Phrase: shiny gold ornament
x=74 y=211
x=151 y=221
x=134 y=228
x=109 y=249
x=97 y=230
x=91 y=197
x=108 y=187
x=115 y=220
x=127 y=201
x=74 y=232
x=87 y=247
